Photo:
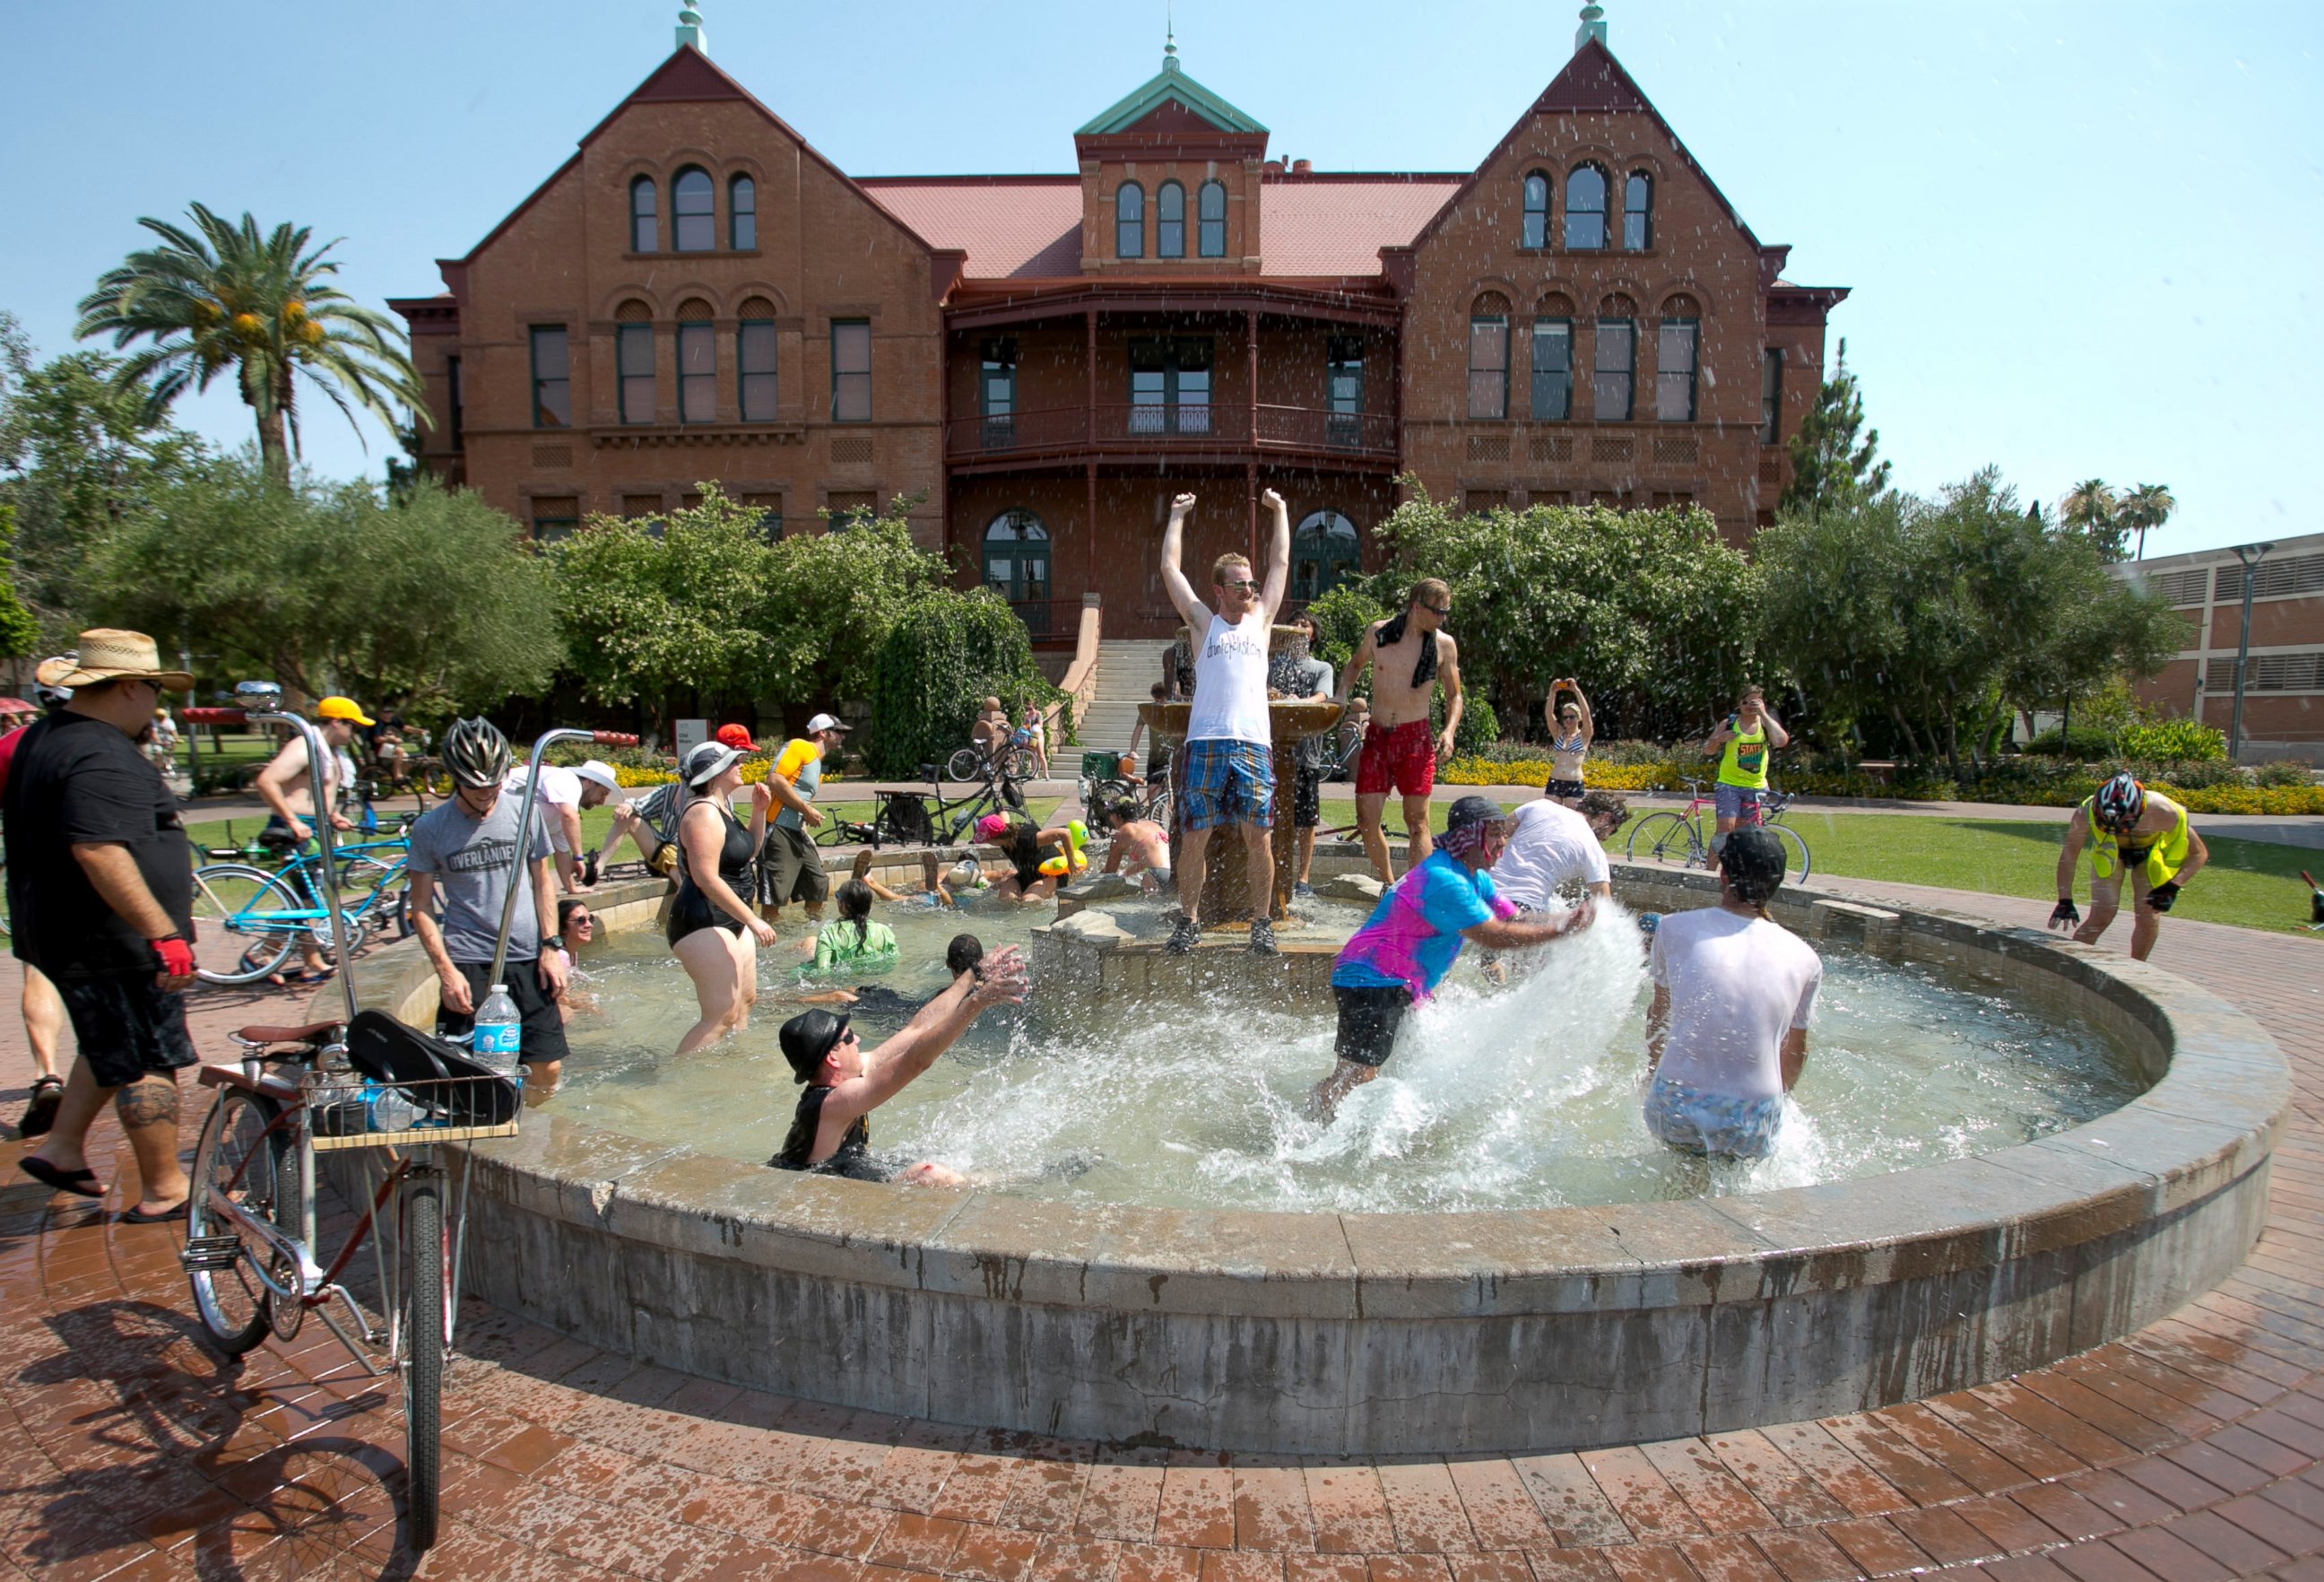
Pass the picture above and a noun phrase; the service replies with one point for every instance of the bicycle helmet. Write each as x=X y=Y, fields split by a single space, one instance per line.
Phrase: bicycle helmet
x=475 y=753
x=2119 y=804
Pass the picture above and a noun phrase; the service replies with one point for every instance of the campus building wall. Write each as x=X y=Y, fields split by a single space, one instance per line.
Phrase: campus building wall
x=2283 y=694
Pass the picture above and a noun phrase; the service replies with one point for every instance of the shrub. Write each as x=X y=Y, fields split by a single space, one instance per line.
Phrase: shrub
x=2084 y=745
x=1341 y=616
x=2187 y=739
x=940 y=658
x=2285 y=772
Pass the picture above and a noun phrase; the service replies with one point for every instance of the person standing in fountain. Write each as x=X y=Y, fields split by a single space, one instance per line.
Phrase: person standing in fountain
x=1408 y=655
x=1727 y=1032
x=1304 y=678
x=1230 y=760
x=1410 y=941
x=846 y=1083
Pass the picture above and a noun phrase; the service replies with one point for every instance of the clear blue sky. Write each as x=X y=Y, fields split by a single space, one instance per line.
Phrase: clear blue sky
x=2084 y=238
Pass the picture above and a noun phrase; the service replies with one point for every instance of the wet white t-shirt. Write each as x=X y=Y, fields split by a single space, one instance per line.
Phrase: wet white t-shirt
x=1550 y=843
x=1230 y=682
x=1736 y=986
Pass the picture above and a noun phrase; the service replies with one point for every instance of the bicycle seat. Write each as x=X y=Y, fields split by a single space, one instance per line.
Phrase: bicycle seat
x=308 y=1032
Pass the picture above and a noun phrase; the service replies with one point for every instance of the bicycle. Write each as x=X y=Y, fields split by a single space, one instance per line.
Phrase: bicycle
x=1104 y=783
x=1682 y=839
x=1012 y=762
x=249 y=920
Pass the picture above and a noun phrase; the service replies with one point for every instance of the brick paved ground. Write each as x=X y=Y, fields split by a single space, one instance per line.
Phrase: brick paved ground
x=2190 y=1450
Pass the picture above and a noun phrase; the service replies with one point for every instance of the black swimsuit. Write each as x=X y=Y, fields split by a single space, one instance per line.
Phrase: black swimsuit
x=852 y=1157
x=690 y=911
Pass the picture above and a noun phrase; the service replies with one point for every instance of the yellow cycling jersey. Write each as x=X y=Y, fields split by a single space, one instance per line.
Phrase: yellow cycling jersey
x=2164 y=854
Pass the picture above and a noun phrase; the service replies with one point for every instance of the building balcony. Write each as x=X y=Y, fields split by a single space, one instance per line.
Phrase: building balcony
x=1184 y=432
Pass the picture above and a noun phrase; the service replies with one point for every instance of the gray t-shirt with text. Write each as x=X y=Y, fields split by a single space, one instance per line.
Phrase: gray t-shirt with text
x=469 y=858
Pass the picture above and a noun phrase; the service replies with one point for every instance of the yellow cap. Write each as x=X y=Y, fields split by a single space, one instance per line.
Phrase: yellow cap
x=341 y=709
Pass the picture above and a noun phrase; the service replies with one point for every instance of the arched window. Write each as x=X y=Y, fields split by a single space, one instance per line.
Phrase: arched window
x=1489 y=357
x=1323 y=554
x=754 y=361
x=1212 y=216
x=1585 y=208
x=742 y=213
x=1536 y=210
x=1130 y=221
x=1017 y=566
x=692 y=220
x=698 y=364
x=645 y=232
x=1170 y=221
x=1637 y=212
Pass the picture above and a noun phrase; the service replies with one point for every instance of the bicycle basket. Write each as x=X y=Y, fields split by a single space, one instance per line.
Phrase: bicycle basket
x=905 y=817
x=465 y=1090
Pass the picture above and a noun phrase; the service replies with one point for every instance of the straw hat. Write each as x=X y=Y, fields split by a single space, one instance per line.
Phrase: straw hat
x=109 y=655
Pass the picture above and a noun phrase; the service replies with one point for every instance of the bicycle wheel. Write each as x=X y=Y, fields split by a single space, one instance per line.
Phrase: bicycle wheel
x=964 y=764
x=1666 y=838
x=1020 y=764
x=382 y=899
x=425 y=1256
x=238 y=1159
x=1158 y=809
x=246 y=922
x=1795 y=851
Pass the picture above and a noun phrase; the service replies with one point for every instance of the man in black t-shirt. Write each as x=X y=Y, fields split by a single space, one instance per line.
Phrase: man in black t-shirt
x=100 y=896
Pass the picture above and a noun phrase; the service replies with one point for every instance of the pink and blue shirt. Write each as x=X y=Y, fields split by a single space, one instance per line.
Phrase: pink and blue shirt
x=1413 y=934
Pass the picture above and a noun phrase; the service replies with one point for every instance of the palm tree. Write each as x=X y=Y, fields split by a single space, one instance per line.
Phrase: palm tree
x=2149 y=505
x=2091 y=507
x=219 y=295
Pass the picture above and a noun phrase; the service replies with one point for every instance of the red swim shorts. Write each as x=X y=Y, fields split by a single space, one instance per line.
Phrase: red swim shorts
x=1401 y=758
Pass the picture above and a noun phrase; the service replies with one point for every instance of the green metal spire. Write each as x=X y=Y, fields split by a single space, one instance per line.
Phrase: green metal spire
x=1169 y=41
x=1171 y=83
x=690 y=26
x=1593 y=27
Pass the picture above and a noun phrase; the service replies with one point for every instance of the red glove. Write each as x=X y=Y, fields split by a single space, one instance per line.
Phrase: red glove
x=176 y=956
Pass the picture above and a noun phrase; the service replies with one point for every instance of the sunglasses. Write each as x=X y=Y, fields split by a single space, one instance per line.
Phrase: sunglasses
x=1244 y=582
x=1439 y=611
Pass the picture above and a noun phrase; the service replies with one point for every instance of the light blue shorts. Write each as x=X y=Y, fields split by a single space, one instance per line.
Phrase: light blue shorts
x=1716 y=1124
x=1736 y=801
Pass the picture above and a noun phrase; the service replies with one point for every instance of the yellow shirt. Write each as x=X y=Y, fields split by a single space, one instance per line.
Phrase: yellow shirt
x=801 y=764
x=1744 y=760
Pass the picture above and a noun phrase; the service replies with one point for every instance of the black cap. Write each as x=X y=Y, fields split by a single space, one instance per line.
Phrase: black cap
x=1752 y=863
x=1470 y=811
x=808 y=1037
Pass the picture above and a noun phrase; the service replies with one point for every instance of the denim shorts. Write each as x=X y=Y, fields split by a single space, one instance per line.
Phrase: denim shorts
x=1718 y=1124
x=1228 y=781
x=1736 y=802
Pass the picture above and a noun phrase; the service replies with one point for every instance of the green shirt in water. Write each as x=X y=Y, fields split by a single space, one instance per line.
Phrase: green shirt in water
x=840 y=944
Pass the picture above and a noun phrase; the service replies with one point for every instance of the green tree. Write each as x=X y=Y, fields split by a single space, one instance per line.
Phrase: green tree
x=1651 y=608
x=77 y=454
x=216 y=296
x=435 y=601
x=1829 y=467
x=834 y=597
x=941 y=657
x=2145 y=509
x=1341 y=615
x=2091 y=509
x=20 y=633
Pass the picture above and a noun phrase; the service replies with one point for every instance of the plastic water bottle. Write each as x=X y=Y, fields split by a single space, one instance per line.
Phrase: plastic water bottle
x=386 y=1109
x=499 y=1033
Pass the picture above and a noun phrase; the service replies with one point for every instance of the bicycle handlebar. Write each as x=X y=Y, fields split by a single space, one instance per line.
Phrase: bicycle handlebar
x=613 y=738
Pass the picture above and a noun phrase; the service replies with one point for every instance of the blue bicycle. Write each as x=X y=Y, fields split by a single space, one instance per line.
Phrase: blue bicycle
x=248 y=920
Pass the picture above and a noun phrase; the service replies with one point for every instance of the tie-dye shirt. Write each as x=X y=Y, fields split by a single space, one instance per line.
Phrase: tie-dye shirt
x=1413 y=935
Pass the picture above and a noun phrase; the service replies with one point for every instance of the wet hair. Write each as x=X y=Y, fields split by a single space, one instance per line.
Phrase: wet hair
x=1751 y=866
x=854 y=899
x=1601 y=804
x=1219 y=567
x=565 y=909
x=1160 y=692
x=964 y=954
x=1122 y=811
x=1430 y=590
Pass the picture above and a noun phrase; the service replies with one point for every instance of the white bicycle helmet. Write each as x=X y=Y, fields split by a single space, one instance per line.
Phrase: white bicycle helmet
x=475 y=753
x=2119 y=804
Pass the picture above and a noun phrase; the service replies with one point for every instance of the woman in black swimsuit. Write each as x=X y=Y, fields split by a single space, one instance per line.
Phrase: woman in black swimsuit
x=1025 y=849
x=711 y=929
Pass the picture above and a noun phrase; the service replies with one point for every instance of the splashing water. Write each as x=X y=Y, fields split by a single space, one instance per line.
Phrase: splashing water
x=1521 y=1094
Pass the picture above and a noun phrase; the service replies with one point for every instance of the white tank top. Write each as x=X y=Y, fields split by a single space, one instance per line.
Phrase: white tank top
x=1230 y=682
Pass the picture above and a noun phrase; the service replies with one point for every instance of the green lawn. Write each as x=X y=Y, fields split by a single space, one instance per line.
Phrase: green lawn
x=2252 y=883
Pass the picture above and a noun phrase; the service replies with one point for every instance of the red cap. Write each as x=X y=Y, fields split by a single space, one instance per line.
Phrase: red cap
x=736 y=737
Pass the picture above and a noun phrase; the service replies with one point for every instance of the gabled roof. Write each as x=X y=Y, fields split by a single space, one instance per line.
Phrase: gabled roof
x=1593 y=83
x=1167 y=86
x=688 y=76
x=1029 y=227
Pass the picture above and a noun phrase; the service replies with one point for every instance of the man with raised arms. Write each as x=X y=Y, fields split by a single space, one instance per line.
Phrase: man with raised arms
x=1229 y=760
x=1408 y=654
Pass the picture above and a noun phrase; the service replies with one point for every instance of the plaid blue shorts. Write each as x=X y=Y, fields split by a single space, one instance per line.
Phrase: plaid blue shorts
x=1227 y=783
x=1693 y=1121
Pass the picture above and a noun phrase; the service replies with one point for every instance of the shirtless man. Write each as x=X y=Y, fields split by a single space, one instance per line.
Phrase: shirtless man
x=1408 y=654
x=1140 y=846
x=1229 y=756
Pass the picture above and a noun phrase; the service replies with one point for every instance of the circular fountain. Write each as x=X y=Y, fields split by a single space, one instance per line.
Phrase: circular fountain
x=1341 y=1331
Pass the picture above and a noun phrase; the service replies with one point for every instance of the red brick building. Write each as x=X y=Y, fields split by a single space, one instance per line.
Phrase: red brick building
x=697 y=294
x=2283 y=679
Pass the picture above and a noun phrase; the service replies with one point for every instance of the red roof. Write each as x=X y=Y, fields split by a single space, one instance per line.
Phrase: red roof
x=1029 y=227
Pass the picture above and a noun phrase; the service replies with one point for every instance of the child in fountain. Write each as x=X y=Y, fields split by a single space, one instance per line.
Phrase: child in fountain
x=1141 y=848
x=854 y=943
x=846 y=1083
x=1726 y=1033
x=1410 y=941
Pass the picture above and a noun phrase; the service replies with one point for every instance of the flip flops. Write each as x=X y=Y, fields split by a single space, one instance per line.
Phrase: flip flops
x=41 y=1113
x=305 y=978
x=81 y=1183
x=139 y=1217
